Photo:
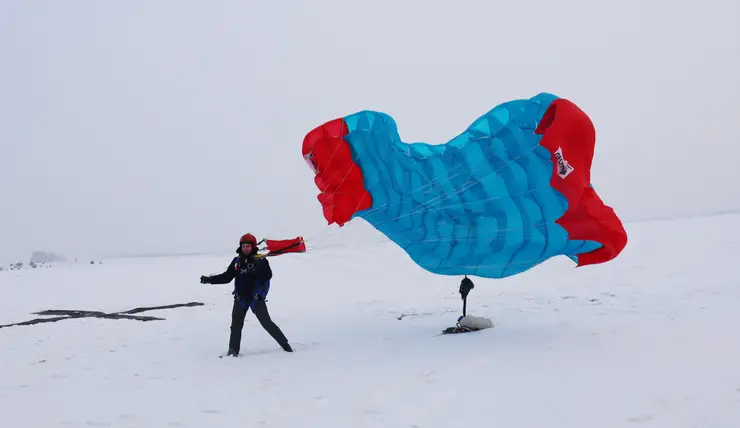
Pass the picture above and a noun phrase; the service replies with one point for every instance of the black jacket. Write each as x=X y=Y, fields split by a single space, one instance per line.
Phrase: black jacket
x=252 y=276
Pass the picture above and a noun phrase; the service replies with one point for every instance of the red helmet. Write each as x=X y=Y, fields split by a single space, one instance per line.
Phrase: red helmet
x=248 y=238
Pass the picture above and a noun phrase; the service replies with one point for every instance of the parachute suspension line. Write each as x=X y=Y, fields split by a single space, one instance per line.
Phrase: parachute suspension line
x=384 y=239
x=331 y=158
x=437 y=182
x=473 y=183
x=462 y=204
x=432 y=205
x=437 y=199
x=425 y=207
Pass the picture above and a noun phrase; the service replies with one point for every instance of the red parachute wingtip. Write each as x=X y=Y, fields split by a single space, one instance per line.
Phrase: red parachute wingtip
x=338 y=177
x=569 y=135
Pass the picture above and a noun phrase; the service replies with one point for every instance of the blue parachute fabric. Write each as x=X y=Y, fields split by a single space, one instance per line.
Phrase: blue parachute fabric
x=481 y=204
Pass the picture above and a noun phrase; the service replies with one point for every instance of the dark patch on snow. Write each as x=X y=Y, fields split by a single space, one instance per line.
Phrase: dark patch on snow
x=74 y=314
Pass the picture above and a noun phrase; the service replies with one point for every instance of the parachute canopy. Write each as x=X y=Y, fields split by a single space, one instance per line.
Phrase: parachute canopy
x=511 y=191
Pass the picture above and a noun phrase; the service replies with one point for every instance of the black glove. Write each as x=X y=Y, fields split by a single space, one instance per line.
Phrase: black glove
x=204 y=279
x=465 y=286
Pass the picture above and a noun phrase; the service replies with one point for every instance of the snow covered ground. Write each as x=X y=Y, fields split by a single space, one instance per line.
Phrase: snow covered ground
x=651 y=339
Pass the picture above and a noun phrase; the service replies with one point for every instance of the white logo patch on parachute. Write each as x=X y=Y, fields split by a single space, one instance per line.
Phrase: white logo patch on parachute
x=564 y=168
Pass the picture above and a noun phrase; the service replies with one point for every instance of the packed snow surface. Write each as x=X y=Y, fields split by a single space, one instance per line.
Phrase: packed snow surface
x=651 y=339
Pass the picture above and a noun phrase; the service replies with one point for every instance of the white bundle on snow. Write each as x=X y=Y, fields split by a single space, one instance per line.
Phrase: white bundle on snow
x=475 y=323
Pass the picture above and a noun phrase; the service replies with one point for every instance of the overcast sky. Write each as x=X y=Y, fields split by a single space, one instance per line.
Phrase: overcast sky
x=176 y=126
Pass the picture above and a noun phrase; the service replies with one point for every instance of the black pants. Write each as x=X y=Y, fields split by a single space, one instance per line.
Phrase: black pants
x=259 y=307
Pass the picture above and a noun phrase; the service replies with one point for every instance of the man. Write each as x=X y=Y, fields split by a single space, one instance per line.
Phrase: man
x=252 y=274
